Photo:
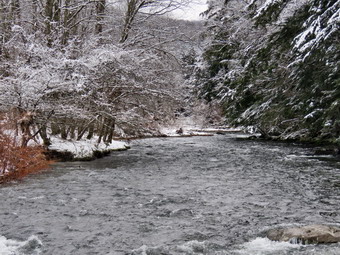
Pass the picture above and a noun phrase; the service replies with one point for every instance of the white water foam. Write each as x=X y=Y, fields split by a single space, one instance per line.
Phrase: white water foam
x=192 y=246
x=264 y=246
x=146 y=250
x=13 y=247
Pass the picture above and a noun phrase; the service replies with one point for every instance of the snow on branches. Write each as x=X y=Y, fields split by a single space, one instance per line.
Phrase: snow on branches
x=320 y=26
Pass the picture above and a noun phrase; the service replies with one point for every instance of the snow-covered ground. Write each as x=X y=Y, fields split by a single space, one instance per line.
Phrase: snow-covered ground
x=187 y=127
x=181 y=131
x=187 y=131
x=84 y=148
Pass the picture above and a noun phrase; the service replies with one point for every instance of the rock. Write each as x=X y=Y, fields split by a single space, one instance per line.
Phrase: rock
x=312 y=234
x=179 y=131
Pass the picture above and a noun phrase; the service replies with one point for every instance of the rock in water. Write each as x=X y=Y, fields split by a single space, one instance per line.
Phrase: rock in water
x=312 y=234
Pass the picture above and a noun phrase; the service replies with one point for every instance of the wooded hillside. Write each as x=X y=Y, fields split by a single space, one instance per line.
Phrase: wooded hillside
x=85 y=68
x=274 y=64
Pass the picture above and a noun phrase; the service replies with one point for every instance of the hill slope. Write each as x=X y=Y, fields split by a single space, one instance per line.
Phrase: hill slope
x=275 y=64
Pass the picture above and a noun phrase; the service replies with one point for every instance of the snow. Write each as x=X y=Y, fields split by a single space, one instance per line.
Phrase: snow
x=221 y=129
x=312 y=114
x=193 y=127
x=265 y=6
x=318 y=31
x=195 y=131
x=187 y=131
x=300 y=39
x=84 y=148
x=251 y=3
x=328 y=123
x=255 y=110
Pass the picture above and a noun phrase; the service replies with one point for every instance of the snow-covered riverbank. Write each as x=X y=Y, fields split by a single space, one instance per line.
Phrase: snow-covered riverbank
x=85 y=149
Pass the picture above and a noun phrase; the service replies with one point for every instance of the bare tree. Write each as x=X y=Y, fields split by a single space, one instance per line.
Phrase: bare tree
x=100 y=12
x=147 y=8
x=79 y=86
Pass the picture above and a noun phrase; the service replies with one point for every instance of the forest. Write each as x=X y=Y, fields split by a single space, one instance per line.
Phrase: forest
x=90 y=70
x=80 y=69
x=274 y=65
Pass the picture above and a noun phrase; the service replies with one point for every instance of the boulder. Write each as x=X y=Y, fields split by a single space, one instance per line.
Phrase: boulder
x=312 y=234
x=179 y=131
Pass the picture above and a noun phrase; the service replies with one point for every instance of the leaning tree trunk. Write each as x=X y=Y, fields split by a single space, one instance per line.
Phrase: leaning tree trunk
x=43 y=135
x=52 y=16
x=110 y=130
x=133 y=7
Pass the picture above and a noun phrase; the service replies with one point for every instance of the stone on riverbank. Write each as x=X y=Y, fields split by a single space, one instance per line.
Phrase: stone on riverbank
x=312 y=234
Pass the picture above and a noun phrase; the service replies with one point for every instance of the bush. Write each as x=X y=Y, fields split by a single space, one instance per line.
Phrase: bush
x=17 y=161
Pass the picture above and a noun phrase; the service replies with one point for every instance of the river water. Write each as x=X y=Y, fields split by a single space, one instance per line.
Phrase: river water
x=200 y=195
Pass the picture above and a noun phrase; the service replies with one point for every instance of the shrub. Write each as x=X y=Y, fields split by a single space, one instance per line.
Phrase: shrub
x=17 y=161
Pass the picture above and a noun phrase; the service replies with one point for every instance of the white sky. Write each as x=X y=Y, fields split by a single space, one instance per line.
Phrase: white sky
x=192 y=12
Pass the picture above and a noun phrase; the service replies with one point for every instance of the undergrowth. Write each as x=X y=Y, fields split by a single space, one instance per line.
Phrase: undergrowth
x=16 y=160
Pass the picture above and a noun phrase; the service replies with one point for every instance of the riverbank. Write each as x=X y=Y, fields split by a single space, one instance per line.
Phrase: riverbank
x=82 y=150
x=320 y=147
x=90 y=149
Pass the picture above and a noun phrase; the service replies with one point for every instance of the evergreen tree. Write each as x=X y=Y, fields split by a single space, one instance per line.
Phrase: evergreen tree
x=274 y=64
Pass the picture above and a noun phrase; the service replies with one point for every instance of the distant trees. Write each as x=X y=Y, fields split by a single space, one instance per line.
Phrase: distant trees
x=150 y=7
x=63 y=20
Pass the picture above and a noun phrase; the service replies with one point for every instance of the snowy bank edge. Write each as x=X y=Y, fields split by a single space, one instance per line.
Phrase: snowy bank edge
x=69 y=150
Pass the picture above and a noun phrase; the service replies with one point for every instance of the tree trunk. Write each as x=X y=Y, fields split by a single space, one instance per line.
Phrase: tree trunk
x=55 y=129
x=52 y=15
x=43 y=135
x=81 y=131
x=100 y=12
x=72 y=132
x=66 y=32
x=111 y=128
x=49 y=16
x=63 y=132
x=101 y=129
x=34 y=15
x=91 y=131
x=15 y=11
x=133 y=6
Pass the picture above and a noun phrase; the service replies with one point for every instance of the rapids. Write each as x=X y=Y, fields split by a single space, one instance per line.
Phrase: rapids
x=200 y=195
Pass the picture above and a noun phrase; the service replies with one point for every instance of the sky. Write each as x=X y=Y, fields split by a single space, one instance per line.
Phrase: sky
x=192 y=11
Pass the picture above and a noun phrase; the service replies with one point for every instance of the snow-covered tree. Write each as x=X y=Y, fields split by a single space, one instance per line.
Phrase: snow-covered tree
x=144 y=9
x=78 y=81
x=274 y=64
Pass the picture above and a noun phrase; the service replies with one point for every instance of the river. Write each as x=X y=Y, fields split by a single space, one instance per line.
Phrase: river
x=167 y=196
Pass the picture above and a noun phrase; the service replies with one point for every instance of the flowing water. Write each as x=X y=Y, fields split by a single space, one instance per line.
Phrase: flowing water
x=199 y=195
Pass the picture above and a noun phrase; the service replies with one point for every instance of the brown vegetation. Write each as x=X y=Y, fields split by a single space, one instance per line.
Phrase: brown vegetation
x=17 y=159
